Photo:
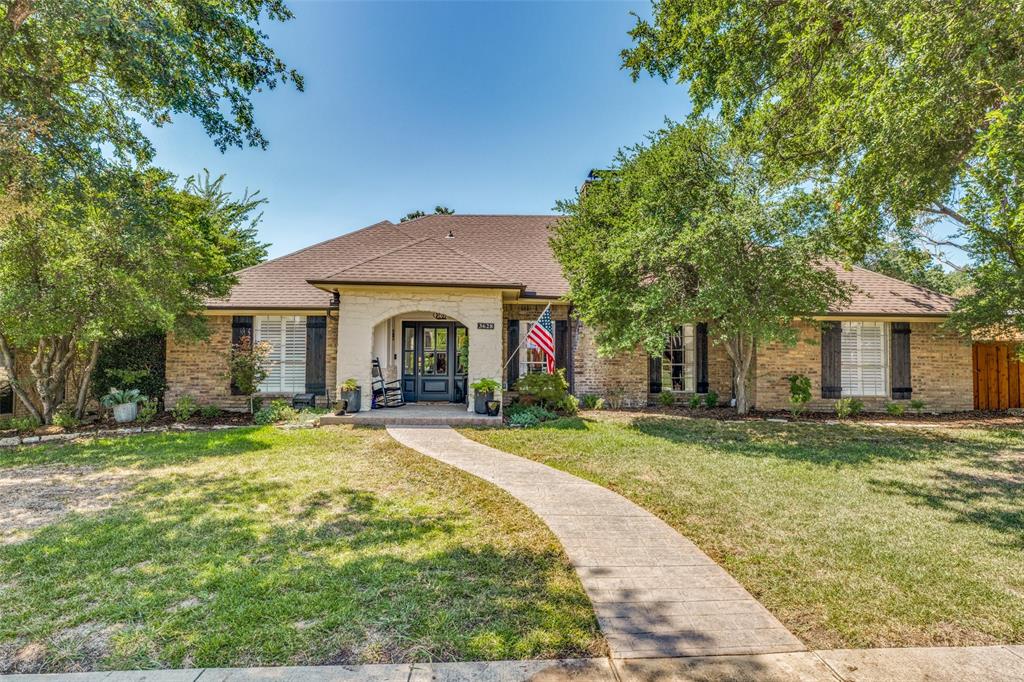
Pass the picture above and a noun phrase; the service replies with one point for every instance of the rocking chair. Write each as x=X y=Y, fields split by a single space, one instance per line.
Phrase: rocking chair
x=385 y=393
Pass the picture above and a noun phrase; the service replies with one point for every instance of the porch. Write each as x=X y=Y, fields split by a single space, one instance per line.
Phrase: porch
x=412 y=414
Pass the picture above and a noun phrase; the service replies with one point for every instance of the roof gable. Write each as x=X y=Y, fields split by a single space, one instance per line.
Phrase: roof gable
x=486 y=250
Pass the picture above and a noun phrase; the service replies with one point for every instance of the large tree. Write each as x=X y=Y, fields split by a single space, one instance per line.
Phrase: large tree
x=910 y=114
x=78 y=77
x=125 y=252
x=684 y=229
x=94 y=241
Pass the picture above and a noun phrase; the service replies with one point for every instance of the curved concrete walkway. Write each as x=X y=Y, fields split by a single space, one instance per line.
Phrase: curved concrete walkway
x=655 y=593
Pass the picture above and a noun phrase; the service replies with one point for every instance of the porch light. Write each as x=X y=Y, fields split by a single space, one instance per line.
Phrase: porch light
x=334 y=306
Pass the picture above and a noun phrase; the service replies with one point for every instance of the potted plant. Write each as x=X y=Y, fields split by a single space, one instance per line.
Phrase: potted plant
x=351 y=392
x=483 y=390
x=125 y=403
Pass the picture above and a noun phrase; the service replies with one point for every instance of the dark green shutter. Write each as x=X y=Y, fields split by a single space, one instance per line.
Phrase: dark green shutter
x=6 y=399
x=654 y=374
x=562 y=345
x=241 y=326
x=900 y=348
x=832 y=360
x=513 y=348
x=701 y=342
x=316 y=354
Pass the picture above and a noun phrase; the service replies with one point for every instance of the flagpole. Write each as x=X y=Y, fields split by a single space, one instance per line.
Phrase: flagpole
x=520 y=346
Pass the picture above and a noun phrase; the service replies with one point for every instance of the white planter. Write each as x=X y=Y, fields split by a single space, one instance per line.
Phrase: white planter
x=125 y=412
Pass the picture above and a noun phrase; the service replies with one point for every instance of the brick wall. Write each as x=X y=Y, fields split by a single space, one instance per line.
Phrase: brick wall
x=199 y=368
x=941 y=372
x=622 y=376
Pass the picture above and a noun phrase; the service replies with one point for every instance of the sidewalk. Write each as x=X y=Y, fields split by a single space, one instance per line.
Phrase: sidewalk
x=655 y=593
x=953 y=664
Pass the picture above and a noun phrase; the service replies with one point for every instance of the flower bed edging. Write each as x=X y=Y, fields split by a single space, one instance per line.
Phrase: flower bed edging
x=14 y=441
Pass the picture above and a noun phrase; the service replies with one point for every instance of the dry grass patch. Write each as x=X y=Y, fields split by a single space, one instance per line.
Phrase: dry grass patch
x=263 y=547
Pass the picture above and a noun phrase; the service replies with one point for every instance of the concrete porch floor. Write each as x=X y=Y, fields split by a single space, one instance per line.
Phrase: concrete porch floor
x=412 y=414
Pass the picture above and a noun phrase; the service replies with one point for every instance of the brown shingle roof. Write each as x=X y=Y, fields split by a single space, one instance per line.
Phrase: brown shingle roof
x=484 y=250
x=879 y=294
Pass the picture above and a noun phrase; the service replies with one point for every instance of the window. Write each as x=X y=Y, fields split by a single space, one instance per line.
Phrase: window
x=6 y=399
x=679 y=361
x=865 y=359
x=287 y=360
x=531 y=358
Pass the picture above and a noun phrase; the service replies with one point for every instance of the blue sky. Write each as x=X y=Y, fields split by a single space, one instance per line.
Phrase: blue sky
x=485 y=107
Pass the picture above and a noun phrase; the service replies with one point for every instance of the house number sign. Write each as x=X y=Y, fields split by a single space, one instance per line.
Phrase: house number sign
x=485 y=325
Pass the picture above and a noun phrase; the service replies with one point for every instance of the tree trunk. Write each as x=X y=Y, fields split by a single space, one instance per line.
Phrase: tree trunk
x=86 y=379
x=50 y=367
x=741 y=352
x=9 y=360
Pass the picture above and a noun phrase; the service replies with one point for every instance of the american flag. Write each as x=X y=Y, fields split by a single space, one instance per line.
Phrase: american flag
x=542 y=334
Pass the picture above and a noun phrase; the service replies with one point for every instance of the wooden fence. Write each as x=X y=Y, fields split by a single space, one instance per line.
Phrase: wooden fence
x=998 y=377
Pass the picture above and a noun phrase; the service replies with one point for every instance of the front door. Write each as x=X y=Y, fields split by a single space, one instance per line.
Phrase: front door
x=433 y=362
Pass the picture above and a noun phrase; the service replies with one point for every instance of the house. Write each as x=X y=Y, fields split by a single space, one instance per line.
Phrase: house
x=444 y=300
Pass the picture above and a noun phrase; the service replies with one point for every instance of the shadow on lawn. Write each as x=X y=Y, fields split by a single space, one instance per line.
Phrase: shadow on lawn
x=144 y=451
x=834 y=445
x=225 y=570
x=992 y=497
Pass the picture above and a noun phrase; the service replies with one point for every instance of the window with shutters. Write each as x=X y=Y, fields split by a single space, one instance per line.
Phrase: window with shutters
x=531 y=358
x=865 y=358
x=286 y=362
x=679 y=361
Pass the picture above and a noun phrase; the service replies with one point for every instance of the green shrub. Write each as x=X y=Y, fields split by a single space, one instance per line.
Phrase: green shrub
x=917 y=406
x=549 y=390
x=667 y=398
x=536 y=412
x=896 y=409
x=848 y=407
x=277 y=411
x=569 y=406
x=799 y=393
x=696 y=401
x=184 y=408
x=209 y=411
x=350 y=385
x=592 y=402
x=65 y=417
x=523 y=419
x=137 y=362
x=711 y=399
x=26 y=423
x=147 y=411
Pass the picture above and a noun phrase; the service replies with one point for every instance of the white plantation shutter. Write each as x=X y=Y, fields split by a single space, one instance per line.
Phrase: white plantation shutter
x=864 y=359
x=286 y=363
x=294 y=379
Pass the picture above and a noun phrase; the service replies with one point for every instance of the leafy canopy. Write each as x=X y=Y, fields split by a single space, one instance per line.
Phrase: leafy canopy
x=124 y=253
x=903 y=112
x=78 y=77
x=684 y=230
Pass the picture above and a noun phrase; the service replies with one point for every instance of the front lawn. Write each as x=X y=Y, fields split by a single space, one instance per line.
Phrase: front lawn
x=854 y=536
x=263 y=547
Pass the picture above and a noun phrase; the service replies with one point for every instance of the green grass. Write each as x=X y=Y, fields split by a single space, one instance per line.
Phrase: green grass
x=263 y=547
x=853 y=536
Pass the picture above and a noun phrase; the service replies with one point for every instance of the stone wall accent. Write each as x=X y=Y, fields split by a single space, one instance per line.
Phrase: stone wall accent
x=362 y=308
x=199 y=368
x=941 y=370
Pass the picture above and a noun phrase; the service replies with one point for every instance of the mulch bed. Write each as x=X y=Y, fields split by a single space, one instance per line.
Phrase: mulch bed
x=964 y=419
x=164 y=419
